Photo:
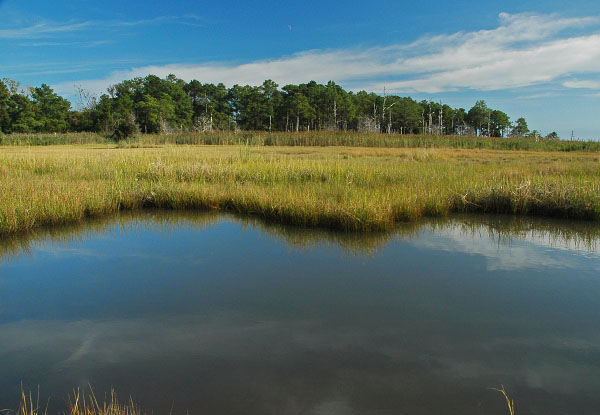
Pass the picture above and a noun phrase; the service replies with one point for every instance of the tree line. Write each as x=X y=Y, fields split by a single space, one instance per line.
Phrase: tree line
x=155 y=105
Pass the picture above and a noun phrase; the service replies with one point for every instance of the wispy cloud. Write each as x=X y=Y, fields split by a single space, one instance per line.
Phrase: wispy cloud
x=41 y=30
x=542 y=95
x=53 y=29
x=156 y=20
x=523 y=50
x=89 y=44
x=56 y=71
x=582 y=84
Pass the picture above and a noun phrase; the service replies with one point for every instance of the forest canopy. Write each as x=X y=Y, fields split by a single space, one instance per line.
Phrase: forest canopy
x=154 y=105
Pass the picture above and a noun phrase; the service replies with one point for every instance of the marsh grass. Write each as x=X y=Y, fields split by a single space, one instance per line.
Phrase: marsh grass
x=30 y=405
x=46 y=139
x=510 y=403
x=344 y=188
x=79 y=403
x=306 y=139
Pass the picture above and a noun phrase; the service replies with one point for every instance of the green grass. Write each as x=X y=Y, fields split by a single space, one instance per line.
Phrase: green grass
x=345 y=188
x=326 y=138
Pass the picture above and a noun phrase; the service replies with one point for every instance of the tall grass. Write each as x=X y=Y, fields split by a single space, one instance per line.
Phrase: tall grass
x=80 y=403
x=343 y=188
x=319 y=139
x=509 y=402
x=51 y=139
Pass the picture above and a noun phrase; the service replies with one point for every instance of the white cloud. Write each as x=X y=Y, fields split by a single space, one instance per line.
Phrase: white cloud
x=533 y=249
x=582 y=84
x=524 y=50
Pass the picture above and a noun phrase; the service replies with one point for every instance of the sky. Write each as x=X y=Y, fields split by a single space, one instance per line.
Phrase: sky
x=531 y=58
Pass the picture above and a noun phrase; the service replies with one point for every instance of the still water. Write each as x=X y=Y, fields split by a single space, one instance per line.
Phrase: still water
x=220 y=315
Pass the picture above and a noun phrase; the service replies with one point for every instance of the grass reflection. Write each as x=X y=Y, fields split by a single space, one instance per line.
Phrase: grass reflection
x=502 y=229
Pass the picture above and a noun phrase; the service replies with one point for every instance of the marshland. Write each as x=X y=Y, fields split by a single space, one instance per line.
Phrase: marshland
x=237 y=208
x=250 y=268
x=354 y=187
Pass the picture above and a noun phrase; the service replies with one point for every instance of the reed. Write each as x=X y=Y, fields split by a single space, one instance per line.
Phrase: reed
x=29 y=405
x=79 y=403
x=307 y=139
x=509 y=402
x=87 y=404
x=345 y=188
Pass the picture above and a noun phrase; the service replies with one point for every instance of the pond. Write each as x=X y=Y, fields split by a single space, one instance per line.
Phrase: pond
x=206 y=313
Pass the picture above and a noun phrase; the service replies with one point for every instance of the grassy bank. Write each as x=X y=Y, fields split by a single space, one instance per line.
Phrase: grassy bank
x=318 y=139
x=343 y=188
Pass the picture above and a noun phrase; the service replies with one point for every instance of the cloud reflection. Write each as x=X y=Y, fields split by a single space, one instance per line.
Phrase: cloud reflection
x=288 y=358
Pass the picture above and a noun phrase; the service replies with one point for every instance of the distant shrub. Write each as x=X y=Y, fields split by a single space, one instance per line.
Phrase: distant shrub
x=125 y=128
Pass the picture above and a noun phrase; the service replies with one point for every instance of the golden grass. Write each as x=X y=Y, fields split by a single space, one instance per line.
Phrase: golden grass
x=80 y=403
x=30 y=406
x=509 y=402
x=346 y=188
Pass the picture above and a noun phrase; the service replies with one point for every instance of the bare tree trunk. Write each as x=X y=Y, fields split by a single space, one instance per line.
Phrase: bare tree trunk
x=287 y=120
x=383 y=110
x=429 y=128
x=297 y=122
x=335 y=113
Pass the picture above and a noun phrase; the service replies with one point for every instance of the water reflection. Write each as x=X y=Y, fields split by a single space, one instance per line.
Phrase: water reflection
x=218 y=314
x=503 y=229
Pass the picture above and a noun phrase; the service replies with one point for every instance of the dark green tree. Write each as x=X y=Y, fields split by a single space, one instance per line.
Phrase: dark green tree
x=519 y=128
x=4 y=115
x=477 y=117
x=50 y=110
x=271 y=99
x=408 y=115
x=499 y=123
x=23 y=115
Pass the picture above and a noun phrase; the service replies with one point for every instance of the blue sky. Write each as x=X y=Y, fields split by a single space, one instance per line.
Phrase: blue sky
x=537 y=59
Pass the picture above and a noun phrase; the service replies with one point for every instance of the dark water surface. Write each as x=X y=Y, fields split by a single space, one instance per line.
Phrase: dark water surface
x=218 y=315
